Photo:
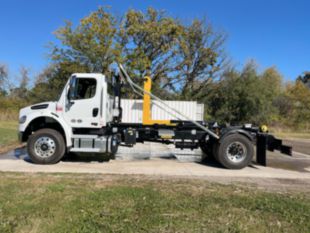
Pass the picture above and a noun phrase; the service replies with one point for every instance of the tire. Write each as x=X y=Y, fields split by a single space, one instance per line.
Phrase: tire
x=208 y=151
x=113 y=153
x=46 y=146
x=235 y=152
x=114 y=146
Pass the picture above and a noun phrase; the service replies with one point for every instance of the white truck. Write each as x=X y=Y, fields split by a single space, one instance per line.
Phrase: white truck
x=87 y=119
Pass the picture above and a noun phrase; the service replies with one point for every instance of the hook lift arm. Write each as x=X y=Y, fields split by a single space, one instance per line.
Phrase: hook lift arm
x=263 y=140
x=139 y=90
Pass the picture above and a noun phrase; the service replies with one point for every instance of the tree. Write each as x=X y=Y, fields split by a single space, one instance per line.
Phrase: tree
x=221 y=102
x=21 y=92
x=179 y=58
x=51 y=81
x=272 y=81
x=237 y=96
x=90 y=44
x=245 y=96
x=149 y=45
x=305 y=78
x=299 y=95
x=272 y=90
x=3 y=79
x=200 y=58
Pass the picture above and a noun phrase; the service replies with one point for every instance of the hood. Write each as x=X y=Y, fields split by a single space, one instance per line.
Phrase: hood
x=37 y=107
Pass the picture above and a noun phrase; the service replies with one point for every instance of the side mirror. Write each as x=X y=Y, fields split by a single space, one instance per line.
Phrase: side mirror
x=72 y=86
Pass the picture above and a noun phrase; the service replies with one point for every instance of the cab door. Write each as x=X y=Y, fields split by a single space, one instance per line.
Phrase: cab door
x=82 y=103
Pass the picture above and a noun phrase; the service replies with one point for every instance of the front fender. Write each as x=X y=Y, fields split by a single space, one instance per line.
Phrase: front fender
x=31 y=116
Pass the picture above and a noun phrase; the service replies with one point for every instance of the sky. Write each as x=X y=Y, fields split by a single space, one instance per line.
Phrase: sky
x=272 y=32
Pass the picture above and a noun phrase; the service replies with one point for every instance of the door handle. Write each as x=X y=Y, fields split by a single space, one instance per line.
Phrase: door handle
x=95 y=112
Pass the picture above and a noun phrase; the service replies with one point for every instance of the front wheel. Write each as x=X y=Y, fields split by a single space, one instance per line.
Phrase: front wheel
x=235 y=151
x=46 y=146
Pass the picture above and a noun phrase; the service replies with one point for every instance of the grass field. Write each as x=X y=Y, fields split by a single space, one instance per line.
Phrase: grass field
x=8 y=134
x=97 y=203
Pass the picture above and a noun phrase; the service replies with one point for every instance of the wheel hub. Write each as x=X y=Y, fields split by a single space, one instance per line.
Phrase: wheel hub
x=236 y=152
x=44 y=147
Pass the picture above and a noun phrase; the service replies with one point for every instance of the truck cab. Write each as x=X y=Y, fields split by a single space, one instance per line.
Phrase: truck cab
x=83 y=110
x=85 y=101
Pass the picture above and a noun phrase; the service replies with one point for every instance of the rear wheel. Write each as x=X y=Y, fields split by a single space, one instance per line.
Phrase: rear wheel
x=208 y=148
x=235 y=151
x=46 y=146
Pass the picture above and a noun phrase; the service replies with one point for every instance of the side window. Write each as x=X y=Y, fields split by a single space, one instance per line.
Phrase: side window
x=85 y=88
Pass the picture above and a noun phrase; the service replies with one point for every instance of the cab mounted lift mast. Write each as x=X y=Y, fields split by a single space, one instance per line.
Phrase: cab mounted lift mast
x=86 y=119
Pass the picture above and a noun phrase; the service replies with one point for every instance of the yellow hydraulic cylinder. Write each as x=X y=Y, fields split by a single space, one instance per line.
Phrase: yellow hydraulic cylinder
x=147 y=115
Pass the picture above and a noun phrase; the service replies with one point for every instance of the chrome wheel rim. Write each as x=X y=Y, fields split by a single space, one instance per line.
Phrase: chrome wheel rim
x=44 y=147
x=236 y=152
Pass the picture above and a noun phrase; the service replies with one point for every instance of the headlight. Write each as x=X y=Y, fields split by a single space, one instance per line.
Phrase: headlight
x=22 y=120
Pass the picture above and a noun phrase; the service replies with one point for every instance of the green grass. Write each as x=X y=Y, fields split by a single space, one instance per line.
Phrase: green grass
x=8 y=132
x=97 y=203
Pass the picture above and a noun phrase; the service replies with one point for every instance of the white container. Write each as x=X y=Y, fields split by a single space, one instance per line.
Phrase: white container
x=132 y=110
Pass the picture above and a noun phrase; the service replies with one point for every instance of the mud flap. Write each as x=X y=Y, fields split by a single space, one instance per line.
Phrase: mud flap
x=266 y=142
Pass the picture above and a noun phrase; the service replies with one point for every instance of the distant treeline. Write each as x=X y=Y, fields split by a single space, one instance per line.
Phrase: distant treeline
x=187 y=61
